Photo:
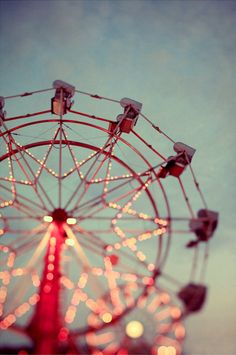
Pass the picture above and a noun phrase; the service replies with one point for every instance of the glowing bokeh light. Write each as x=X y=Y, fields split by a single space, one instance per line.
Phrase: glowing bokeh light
x=166 y=350
x=70 y=242
x=107 y=317
x=71 y=221
x=134 y=329
x=47 y=219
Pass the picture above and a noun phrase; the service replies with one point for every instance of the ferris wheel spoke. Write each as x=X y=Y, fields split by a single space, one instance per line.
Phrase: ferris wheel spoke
x=37 y=230
x=25 y=173
x=134 y=238
x=134 y=193
x=87 y=284
x=26 y=210
x=129 y=217
x=111 y=277
x=126 y=262
x=96 y=241
x=60 y=162
x=84 y=183
x=25 y=246
x=100 y=200
x=35 y=183
x=77 y=244
x=93 y=202
x=18 y=292
x=82 y=258
x=18 y=201
x=43 y=162
x=25 y=213
x=108 y=170
x=29 y=213
x=77 y=165
x=91 y=247
x=88 y=184
x=11 y=174
x=20 y=232
x=41 y=246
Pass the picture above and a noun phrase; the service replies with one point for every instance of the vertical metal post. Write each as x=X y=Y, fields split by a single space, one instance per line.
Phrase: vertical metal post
x=46 y=323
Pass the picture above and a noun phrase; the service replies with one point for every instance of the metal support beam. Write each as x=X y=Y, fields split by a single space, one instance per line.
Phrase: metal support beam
x=46 y=322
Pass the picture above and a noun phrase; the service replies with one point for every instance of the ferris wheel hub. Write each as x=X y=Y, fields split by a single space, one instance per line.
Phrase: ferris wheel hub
x=59 y=215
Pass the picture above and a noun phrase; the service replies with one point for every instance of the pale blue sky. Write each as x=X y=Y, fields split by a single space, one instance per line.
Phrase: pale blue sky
x=178 y=58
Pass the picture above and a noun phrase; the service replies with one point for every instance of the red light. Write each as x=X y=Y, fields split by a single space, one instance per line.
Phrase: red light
x=62 y=336
x=114 y=259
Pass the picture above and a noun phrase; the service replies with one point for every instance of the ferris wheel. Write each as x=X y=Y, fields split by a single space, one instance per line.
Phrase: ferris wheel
x=97 y=207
